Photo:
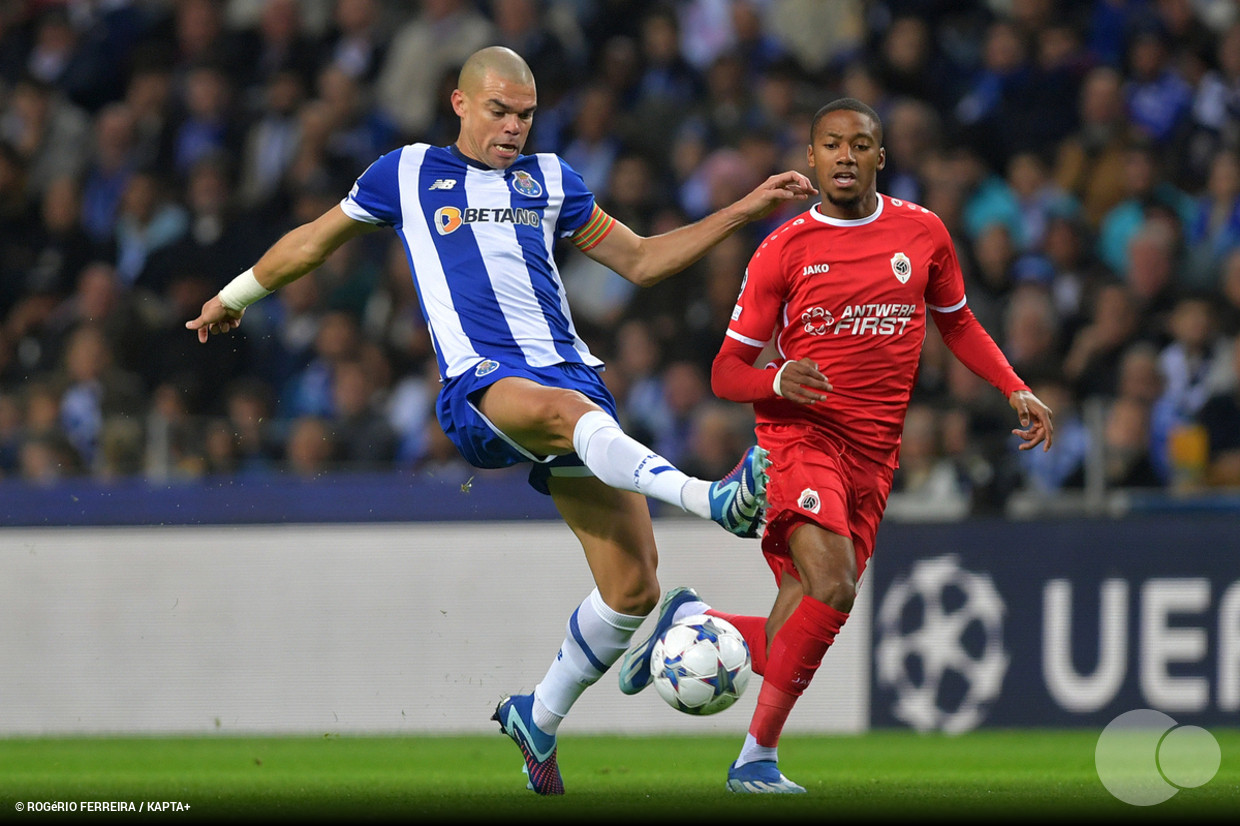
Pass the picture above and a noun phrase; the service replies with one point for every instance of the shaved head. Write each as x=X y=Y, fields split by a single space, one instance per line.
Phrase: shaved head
x=500 y=61
x=495 y=99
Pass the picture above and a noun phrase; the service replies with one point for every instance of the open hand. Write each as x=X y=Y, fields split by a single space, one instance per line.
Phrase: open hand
x=774 y=191
x=801 y=382
x=1035 y=418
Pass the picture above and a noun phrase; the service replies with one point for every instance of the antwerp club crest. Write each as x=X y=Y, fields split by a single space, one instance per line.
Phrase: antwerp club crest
x=902 y=267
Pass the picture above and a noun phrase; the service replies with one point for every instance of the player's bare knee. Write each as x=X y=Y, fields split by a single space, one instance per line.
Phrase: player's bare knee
x=839 y=590
x=557 y=412
x=636 y=600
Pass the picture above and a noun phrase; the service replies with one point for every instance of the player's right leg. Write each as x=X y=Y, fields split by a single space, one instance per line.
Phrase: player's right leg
x=555 y=420
x=617 y=536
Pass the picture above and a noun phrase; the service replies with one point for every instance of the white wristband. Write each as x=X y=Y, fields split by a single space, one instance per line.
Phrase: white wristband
x=779 y=374
x=243 y=291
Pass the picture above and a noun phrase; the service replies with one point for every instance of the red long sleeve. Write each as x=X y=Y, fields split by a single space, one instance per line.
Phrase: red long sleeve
x=733 y=376
x=968 y=340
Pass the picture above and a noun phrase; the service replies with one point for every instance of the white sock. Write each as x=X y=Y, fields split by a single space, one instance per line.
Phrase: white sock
x=751 y=752
x=597 y=637
x=621 y=461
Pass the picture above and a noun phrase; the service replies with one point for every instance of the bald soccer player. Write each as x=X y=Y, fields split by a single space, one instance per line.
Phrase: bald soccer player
x=479 y=221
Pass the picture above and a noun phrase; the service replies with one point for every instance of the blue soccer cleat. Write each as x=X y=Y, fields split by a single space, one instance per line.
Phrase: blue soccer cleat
x=515 y=716
x=736 y=500
x=760 y=777
x=635 y=665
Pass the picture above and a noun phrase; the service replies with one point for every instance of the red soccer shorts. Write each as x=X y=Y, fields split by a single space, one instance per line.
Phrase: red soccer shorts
x=816 y=478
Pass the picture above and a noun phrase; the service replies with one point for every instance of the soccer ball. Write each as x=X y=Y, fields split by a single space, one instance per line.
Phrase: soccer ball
x=701 y=665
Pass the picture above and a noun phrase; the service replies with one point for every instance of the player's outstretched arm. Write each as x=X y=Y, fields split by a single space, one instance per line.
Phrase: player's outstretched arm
x=1035 y=418
x=648 y=260
x=296 y=253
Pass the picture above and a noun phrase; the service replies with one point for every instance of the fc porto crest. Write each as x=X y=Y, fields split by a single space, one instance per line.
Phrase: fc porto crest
x=523 y=183
x=488 y=366
x=902 y=267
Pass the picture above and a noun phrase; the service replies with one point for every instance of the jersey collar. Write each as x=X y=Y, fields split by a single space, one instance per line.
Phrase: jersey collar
x=817 y=215
x=461 y=156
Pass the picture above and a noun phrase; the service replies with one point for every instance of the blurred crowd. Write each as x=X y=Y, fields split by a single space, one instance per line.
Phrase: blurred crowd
x=1084 y=155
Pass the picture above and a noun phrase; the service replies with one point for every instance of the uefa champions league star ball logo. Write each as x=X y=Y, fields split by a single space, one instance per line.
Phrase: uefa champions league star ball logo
x=1144 y=757
x=940 y=632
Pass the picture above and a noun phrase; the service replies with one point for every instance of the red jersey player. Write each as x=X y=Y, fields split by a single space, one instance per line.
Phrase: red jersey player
x=843 y=291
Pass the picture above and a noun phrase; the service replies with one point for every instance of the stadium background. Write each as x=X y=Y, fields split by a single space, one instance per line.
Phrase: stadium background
x=270 y=534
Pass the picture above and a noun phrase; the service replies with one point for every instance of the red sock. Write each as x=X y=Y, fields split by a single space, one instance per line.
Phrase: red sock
x=796 y=653
x=753 y=629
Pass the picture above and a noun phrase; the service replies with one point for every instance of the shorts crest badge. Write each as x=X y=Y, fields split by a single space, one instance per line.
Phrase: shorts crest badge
x=488 y=366
x=809 y=500
x=902 y=267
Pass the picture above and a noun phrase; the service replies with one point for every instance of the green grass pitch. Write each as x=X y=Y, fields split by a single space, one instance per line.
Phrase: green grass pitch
x=1036 y=776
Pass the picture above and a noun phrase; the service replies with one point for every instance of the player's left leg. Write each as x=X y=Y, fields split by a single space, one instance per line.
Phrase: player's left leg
x=807 y=615
x=615 y=531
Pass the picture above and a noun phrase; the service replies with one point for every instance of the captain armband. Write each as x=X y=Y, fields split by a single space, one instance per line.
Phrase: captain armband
x=594 y=231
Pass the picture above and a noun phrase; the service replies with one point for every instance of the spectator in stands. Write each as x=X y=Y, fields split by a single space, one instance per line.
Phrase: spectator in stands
x=218 y=239
x=362 y=435
x=279 y=43
x=1229 y=293
x=93 y=389
x=1157 y=97
x=1195 y=364
x=994 y=110
x=1091 y=364
x=1216 y=104
x=1215 y=229
x=175 y=437
x=717 y=431
x=357 y=39
x=1220 y=416
x=1153 y=255
x=270 y=144
x=310 y=448
x=928 y=480
x=150 y=218
x=1146 y=186
x=911 y=130
x=50 y=134
x=309 y=393
x=112 y=162
x=438 y=39
x=1030 y=332
x=209 y=124
x=1090 y=162
x=249 y=410
x=1140 y=374
x=1126 y=457
x=593 y=145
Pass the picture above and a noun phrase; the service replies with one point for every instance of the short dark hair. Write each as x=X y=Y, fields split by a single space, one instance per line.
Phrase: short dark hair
x=852 y=105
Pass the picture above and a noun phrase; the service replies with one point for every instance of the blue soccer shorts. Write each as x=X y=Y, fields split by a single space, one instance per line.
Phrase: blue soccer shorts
x=483 y=445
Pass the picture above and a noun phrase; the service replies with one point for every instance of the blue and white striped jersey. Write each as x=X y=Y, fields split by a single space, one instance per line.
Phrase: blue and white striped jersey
x=480 y=244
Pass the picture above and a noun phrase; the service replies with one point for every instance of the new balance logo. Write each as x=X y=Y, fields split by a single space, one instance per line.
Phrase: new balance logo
x=442 y=183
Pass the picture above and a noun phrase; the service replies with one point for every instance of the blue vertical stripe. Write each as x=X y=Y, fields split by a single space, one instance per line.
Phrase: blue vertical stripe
x=473 y=297
x=539 y=261
x=575 y=630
